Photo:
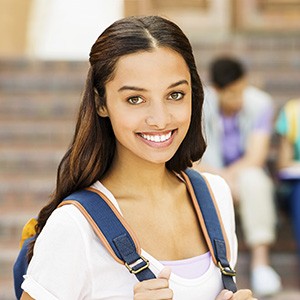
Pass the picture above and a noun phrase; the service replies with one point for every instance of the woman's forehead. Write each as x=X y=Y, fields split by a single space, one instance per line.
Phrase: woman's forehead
x=161 y=65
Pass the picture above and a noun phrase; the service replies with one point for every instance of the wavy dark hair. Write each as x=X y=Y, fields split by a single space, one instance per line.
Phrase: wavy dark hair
x=93 y=146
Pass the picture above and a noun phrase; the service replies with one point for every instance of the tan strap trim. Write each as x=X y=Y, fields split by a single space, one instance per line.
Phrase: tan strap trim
x=201 y=219
x=97 y=229
x=228 y=254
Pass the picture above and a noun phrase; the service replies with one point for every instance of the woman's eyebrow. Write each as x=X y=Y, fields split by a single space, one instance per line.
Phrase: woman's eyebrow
x=178 y=83
x=131 y=88
x=138 y=89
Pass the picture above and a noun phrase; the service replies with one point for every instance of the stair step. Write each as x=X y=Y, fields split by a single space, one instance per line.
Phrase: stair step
x=39 y=106
x=27 y=76
x=273 y=63
x=27 y=161
x=52 y=82
x=7 y=259
x=37 y=133
x=11 y=225
x=7 y=289
x=23 y=65
x=19 y=192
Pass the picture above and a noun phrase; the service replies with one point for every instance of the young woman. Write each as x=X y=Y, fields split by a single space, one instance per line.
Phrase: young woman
x=138 y=128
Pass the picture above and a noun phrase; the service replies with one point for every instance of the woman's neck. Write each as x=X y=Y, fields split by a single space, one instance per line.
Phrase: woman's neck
x=133 y=176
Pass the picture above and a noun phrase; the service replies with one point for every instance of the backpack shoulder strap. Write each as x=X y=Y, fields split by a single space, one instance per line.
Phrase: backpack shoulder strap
x=112 y=230
x=212 y=227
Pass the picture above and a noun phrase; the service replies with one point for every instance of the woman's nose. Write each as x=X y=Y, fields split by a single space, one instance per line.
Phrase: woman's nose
x=159 y=115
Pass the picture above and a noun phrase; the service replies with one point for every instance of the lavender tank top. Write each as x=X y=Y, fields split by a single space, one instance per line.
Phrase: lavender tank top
x=190 y=268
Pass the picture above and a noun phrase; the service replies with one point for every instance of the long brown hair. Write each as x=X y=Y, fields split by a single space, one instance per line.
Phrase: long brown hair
x=92 y=149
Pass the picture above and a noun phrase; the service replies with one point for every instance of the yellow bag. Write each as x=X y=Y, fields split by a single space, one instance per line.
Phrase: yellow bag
x=28 y=230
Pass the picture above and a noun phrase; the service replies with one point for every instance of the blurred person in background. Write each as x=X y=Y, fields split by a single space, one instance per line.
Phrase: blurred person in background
x=238 y=124
x=288 y=128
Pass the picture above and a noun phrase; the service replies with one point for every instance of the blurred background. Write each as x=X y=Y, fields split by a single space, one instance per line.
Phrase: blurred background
x=44 y=49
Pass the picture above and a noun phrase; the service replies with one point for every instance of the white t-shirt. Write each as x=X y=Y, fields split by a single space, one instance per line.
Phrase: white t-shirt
x=70 y=262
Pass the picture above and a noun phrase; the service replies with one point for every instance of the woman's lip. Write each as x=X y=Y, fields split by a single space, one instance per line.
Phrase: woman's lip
x=156 y=132
x=156 y=137
x=157 y=140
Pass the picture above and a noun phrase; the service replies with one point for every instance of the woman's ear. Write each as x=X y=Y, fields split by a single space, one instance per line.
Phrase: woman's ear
x=101 y=109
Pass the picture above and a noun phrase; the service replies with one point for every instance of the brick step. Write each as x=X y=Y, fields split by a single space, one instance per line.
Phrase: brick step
x=260 y=65
x=7 y=289
x=9 y=249
x=269 y=43
x=36 y=133
x=39 y=106
x=25 y=75
x=277 y=83
x=41 y=82
x=27 y=161
x=30 y=192
x=23 y=65
x=11 y=225
x=8 y=256
x=256 y=43
x=273 y=61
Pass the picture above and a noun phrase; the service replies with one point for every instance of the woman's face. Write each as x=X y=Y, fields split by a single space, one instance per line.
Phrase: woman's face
x=149 y=103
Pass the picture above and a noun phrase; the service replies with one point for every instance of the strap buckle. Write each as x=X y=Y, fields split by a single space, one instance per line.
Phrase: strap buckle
x=144 y=265
x=226 y=270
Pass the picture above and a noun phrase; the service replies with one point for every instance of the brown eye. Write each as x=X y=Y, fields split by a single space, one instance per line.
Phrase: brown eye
x=176 y=96
x=135 y=100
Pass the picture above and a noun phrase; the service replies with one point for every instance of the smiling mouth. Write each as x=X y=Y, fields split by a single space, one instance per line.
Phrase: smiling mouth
x=157 y=138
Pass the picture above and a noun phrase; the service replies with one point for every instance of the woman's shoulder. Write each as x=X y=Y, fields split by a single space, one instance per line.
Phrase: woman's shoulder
x=68 y=221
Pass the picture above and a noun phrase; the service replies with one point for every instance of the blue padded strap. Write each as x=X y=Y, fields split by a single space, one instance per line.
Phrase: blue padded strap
x=207 y=206
x=134 y=262
x=227 y=272
x=114 y=232
x=213 y=227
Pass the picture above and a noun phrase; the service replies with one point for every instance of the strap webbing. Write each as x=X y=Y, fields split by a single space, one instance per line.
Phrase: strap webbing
x=114 y=231
x=213 y=227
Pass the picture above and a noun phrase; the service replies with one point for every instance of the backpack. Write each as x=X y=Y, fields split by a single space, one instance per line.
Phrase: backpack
x=109 y=226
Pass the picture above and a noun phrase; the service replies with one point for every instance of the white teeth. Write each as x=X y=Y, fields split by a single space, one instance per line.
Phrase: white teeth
x=156 y=138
